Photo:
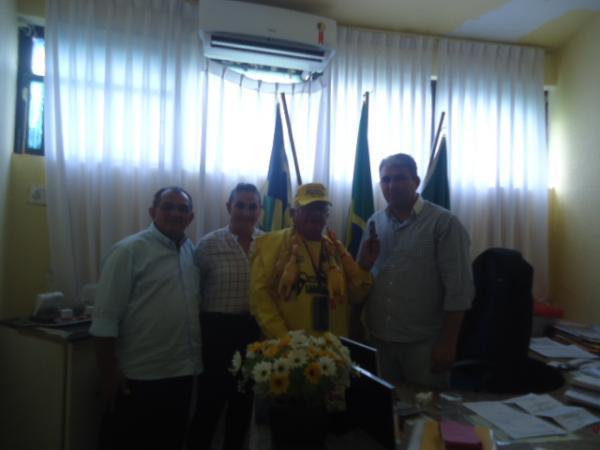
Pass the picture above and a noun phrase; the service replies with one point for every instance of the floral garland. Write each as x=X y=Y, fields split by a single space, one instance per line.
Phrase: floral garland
x=287 y=271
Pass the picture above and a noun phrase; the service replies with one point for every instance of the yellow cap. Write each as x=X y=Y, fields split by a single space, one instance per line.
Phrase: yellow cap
x=310 y=193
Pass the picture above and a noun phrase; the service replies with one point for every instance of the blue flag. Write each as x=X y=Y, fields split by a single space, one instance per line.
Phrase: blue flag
x=277 y=191
x=436 y=187
x=361 y=206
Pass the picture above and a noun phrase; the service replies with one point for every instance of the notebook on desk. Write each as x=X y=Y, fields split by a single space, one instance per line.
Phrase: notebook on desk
x=430 y=437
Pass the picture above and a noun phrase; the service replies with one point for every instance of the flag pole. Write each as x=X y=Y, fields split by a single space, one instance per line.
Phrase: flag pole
x=361 y=205
x=292 y=145
x=437 y=137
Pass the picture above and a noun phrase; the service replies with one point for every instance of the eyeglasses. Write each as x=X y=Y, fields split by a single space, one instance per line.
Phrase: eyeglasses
x=317 y=208
x=168 y=207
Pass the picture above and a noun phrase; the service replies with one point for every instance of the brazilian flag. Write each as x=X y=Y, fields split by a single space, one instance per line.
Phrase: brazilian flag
x=277 y=191
x=436 y=187
x=361 y=206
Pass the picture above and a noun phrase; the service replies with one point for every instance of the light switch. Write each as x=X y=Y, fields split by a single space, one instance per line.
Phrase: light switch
x=37 y=195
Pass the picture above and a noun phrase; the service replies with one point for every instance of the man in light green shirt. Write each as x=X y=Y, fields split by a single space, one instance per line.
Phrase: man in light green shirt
x=146 y=328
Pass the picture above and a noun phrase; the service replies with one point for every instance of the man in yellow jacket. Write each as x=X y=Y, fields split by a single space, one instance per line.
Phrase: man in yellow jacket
x=302 y=279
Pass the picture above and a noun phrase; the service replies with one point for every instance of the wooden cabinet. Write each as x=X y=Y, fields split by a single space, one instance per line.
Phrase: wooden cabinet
x=49 y=391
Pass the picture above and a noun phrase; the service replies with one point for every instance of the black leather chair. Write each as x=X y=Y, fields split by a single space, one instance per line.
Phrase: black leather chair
x=492 y=352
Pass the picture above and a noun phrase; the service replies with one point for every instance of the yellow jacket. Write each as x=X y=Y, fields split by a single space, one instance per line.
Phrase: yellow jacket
x=283 y=283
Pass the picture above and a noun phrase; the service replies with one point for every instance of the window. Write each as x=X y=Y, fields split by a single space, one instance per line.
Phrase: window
x=29 y=123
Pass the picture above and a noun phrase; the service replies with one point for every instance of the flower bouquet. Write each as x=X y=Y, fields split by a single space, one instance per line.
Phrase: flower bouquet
x=303 y=377
x=297 y=367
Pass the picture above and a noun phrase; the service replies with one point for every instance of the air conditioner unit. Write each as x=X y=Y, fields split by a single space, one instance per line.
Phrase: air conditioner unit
x=264 y=38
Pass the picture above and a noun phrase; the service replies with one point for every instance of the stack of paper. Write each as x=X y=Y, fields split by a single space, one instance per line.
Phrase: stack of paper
x=590 y=333
x=585 y=390
x=552 y=349
x=586 y=336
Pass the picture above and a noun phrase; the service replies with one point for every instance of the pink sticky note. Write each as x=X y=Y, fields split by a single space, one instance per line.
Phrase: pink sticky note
x=459 y=435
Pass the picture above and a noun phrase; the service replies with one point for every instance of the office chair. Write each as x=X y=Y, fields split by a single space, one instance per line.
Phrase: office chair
x=493 y=346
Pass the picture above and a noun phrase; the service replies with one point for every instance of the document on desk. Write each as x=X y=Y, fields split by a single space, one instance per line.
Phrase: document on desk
x=552 y=349
x=536 y=404
x=570 y=418
x=517 y=424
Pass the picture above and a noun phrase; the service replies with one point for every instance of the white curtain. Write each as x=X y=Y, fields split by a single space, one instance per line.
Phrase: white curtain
x=396 y=71
x=131 y=105
x=494 y=99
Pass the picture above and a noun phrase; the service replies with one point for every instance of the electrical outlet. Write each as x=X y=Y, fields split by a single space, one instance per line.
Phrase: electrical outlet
x=37 y=195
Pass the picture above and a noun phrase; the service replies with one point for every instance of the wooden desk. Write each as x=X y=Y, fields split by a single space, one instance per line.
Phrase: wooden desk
x=357 y=439
x=583 y=439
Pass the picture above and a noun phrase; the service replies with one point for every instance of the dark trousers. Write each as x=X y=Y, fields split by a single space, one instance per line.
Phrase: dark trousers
x=154 y=416
x=222 y=336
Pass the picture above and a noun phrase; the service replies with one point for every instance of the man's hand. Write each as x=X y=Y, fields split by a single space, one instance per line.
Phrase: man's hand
x=369 y=250
x=111 y=377
x=113 y=383
x=444 y=350
x=442 y=356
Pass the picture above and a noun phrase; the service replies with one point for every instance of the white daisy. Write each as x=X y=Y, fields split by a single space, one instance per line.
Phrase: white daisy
x=346 y=355
x=318 y=341
x=236 y=363
x=332 y=339
x=262 y=372
x=281 y=365
x=297 y=358
x=298 y=340
x=328 y=365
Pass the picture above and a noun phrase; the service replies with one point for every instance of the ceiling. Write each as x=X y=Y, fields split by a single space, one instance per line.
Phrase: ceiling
x=544 y=23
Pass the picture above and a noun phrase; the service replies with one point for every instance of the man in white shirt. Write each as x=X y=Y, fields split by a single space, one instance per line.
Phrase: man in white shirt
x=146 y=328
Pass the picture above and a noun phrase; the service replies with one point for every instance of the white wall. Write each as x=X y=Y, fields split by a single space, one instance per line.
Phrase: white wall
x=8 y=80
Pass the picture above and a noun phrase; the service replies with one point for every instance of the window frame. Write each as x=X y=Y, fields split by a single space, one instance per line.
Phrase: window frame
x=24 y=78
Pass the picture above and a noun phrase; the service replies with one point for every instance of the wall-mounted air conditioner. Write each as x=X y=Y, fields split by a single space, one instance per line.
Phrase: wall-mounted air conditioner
x=253 y=36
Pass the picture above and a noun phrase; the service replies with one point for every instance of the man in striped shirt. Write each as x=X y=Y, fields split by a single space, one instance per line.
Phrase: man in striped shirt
x=223 y=259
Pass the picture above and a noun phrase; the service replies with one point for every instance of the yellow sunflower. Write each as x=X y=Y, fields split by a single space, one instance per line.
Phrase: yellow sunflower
x=255 y=347
x=323 y=352
x=330 y=337
x=313 y=351
x=313 y=372
x=271 y=352
x=284 y=341
x=280 y=382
